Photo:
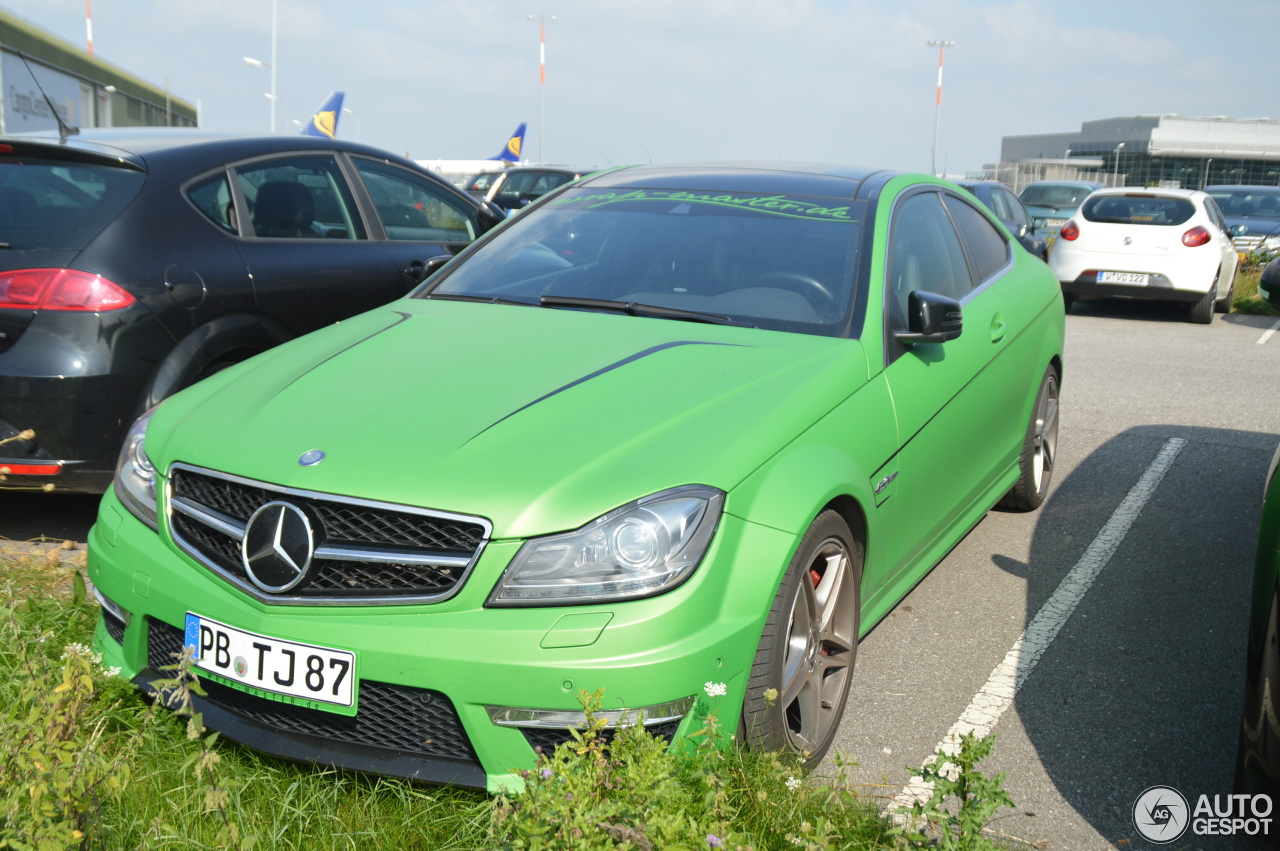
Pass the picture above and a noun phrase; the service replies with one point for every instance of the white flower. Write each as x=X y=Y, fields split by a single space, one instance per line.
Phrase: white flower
x=794 y=783
x=715 y=689
x=888 y=751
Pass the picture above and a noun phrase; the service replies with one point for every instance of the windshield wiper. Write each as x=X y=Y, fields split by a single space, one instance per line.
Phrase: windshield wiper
x=485 y=299
x=634 y=308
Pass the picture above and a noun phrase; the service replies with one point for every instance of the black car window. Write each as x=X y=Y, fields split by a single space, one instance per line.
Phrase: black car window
x=987 y=247
x=48 y=204
x=212 y=196
x=519 y=184
x=1017 y=212
x=1137 y=208
x=299 y=197
x=414 y=208
x=924 y=254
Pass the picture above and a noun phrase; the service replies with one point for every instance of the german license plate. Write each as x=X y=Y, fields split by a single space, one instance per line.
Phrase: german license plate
x=1123 y=278
x=306 y=671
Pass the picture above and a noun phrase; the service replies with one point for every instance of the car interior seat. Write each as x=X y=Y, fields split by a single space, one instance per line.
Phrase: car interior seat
x=283 y=209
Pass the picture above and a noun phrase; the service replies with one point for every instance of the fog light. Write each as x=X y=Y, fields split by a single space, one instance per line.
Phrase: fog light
x=560 y=719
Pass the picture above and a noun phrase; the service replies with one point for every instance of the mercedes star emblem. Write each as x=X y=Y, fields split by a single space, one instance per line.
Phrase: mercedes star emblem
x=278 y=545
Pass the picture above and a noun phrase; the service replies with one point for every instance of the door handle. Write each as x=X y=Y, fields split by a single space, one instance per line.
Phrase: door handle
x=998 y=329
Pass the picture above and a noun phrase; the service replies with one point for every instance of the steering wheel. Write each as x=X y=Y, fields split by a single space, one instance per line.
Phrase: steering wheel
x=795 y=282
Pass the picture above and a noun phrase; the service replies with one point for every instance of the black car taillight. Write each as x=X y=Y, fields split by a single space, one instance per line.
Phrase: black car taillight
x=60 y=289
x=1195 y=236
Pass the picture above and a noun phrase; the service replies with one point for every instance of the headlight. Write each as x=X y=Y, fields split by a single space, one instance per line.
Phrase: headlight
x=135 y=481
x=641 y=549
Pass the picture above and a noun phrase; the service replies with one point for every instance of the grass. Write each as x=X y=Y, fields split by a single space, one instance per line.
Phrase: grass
x=89 y=764
x=1246 y=299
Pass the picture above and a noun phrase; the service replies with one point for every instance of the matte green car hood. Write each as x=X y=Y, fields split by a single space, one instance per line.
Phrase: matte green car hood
x=537 y=419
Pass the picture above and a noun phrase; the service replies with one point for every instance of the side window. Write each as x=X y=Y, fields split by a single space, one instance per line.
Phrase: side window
x=924 y=254
x=302 y=197
x=414 y=208
x=1215 y=214
x=212 y=196
x=987 y=248
x=1017 y=212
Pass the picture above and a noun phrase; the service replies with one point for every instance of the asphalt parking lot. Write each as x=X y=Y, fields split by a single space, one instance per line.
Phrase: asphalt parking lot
x=1139 y=681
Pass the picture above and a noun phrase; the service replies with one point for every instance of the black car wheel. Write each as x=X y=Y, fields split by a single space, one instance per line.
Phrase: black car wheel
x=808 y=647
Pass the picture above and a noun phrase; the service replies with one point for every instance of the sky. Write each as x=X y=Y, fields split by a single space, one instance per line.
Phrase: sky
x=839 y=81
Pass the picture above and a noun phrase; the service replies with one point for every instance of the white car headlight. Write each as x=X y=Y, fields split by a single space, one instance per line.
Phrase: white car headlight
x=135 y=482
x=643 y=548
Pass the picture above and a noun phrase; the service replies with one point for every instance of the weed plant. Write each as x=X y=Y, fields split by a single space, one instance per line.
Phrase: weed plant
x=89 y=764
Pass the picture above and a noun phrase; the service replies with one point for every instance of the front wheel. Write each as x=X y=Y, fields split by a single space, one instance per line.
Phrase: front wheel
x=1039 y=450
x=808 y=647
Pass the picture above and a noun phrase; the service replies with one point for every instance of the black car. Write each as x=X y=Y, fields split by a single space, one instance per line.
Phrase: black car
x=1253 y=215
x=1258 y=757
x=516 y=188
x=137 y=262
x=1001 y=201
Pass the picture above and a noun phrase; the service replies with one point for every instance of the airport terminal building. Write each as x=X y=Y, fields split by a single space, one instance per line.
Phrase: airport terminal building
x=1157 y=150
x=85 y=91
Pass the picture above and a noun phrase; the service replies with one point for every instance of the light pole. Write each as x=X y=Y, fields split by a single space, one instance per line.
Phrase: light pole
x=1207 y=163
x=937 y=112
x=258 y=63
x=1119 y=148
x=542 y=84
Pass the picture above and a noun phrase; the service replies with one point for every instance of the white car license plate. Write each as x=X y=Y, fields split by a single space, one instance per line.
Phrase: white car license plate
x=1123 y=278
x=272 y=664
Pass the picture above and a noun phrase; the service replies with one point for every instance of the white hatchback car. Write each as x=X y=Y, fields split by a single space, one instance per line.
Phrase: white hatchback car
x=1169 y=244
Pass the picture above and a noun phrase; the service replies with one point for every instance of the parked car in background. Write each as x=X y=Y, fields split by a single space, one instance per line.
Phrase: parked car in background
x=1258 y=754
x=516 y=188
x=1051 y=203
x=1269 y=283
x=139 y=261
x=1009 y=210
x=1167 y=244
x=664 y=434
x=1253 y=214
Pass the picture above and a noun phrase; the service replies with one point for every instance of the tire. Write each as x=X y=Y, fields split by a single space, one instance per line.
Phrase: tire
x=808 y=647
x=1201 y=312
x=1223 y=305
x=1039 y=450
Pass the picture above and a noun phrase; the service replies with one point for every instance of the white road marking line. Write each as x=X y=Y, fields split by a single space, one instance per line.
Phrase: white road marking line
x=1267 y=334
x=991 y=701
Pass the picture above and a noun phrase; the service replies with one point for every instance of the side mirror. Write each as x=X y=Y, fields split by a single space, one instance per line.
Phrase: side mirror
x=1269 y=284
x=1237 y=230
x=429 y=268
x=931 y=318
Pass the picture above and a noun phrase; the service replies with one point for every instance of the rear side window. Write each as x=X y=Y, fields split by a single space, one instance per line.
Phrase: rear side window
x=1137 y=209
x=304 y=197
x=1054 y=195
x=54 y=205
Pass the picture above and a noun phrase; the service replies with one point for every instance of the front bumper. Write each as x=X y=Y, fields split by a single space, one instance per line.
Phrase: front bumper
x=427 y=673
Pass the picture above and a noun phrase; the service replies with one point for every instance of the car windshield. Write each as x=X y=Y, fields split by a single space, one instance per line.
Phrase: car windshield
x=1247 y=203
x=779 y=262
x=1055 y=195
x=49 y=204
x=1137 y=209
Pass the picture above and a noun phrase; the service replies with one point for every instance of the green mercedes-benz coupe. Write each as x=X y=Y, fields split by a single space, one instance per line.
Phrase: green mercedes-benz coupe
x=672 y=426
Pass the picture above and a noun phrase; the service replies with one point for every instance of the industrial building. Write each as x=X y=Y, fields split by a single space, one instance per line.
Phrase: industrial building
x=1149 y=150
x=38 y=68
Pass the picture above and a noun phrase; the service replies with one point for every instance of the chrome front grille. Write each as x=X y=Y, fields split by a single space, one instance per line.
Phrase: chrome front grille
x=362 y=552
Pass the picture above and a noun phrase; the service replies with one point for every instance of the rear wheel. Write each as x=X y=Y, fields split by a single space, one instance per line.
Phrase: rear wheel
x=808 y=647
x=1201 y=312
x=1039 y=450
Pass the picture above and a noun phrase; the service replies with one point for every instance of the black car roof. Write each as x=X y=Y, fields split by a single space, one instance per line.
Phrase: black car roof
x=821 y=179
x=136 y=144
